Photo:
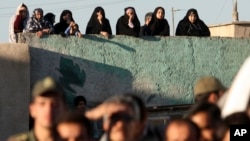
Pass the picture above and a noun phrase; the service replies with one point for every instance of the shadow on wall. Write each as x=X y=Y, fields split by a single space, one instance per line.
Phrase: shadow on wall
x=14 y=89
x=103 y=40
x=96 y=81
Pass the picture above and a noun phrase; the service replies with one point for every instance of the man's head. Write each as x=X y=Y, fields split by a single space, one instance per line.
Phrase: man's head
x=207 y=116
x=125 y=117
x=71 y=126
x=148 y=17
x=47 y=102
x=208 y=89
x=80 y=103
x=182 y=130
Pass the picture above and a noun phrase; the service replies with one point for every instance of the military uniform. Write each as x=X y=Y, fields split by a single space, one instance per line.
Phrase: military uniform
x=28 y=136
x=48 y=84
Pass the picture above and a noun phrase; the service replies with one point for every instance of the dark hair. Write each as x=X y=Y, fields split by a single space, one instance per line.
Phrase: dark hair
x=72 y=117
x=192 y=10
x=98 y=9
x=194 y=129
x=40 y=10
x=149 y=14
x=78 y=99
x=203 y=97
x=132 y=101
x=23 y=5
x=212 y=110
x=50 y=17
x=221 y=130
x=237 y=118
x=156 y=9
x=141 y=105
x=135 y=15
x=65 y=12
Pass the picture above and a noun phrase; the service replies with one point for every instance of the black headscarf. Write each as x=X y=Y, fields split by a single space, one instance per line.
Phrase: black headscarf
x=122 y=27
x=50 y=17
x=159 y=26
x=191 y=11
x=94 y=27
x=186 y=28
x=63 y=25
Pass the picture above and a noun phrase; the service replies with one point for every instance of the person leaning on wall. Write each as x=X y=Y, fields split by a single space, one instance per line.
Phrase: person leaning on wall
x=37 y=24
x=128 y=24
x=18 y=22
x=145 y=30
x=159 y=25
x=192 y=25
x=98 y=23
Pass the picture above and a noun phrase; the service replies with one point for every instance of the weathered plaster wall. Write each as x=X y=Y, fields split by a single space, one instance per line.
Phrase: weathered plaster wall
x=14 y=89
x=242 y=30
x=162 y=69
x=227 y=30
x=234 y=29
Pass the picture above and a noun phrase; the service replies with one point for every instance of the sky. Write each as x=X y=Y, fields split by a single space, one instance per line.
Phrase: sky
x=210 y=11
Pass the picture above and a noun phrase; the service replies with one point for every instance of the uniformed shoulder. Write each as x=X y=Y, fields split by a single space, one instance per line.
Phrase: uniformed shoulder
x=19 y=137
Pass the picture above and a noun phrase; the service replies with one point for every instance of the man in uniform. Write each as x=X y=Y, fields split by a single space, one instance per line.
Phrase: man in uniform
x=47 y=103
x=208 y=89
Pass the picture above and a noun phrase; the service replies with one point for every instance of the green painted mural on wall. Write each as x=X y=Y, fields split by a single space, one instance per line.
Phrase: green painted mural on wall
x=71 y=74
x=161 y=69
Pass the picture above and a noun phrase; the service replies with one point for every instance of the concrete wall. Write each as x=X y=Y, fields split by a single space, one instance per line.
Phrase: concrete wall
x=234 y=29
x=161 y=69
x=242 y=30
x=227 y=30
x=14 y=89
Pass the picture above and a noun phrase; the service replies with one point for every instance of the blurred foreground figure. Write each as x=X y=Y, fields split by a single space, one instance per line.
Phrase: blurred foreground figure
x=182 y=130
x=47 y=103
x=237 y=97
x=207 y=117
x=208 y=89
x=80 y=104
x=72 y=126
x=124 y=119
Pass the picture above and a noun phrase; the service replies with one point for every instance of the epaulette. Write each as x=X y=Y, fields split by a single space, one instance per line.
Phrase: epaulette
x=19 y=137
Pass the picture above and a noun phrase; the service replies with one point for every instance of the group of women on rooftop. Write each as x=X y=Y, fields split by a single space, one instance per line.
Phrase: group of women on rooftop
x=128 y=24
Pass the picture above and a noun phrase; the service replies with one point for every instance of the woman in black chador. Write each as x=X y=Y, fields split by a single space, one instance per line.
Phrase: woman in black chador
x=192 y=25
x=65 y=19
x=128 y=24
x=98 y=23
x=158 y=24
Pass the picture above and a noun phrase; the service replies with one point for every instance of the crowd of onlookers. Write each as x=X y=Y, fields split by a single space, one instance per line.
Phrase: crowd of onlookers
x=128 y=24
x=124 y=117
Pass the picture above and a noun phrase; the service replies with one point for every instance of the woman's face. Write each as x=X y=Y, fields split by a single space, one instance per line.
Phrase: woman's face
x=99 y=15
x=130 y=13
x=38 y=15
x=67 y=17
x=192 y=18
x=23 y=12
x=160 y=14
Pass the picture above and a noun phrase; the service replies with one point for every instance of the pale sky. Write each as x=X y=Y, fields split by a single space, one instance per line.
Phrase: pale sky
x=210 y=11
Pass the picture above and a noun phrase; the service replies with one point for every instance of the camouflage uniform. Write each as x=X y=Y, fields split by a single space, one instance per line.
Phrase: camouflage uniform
x=28 y=136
